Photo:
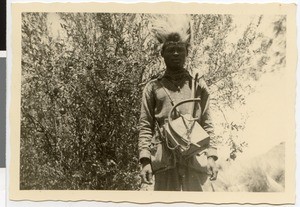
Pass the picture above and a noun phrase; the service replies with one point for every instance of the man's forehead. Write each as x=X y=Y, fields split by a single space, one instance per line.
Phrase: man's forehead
x=173 y=43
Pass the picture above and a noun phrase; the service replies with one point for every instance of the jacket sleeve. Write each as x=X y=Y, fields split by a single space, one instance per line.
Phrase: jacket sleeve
x=146 y=122
x=206 y=121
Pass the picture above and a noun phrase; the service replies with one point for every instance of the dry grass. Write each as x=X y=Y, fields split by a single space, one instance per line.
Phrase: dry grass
x=264 y=173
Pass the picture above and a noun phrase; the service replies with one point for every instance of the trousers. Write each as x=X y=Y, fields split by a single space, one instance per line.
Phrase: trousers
x=181 y=178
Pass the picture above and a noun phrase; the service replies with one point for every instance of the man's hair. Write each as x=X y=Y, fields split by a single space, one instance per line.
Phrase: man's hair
x=172 y=27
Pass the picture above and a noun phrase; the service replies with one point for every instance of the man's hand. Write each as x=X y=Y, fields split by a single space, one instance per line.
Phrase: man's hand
x=146 y=172
x=212 y=168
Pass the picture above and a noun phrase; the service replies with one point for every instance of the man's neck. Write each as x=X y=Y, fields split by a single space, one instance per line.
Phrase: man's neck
x=176 y=74
x=175 y=70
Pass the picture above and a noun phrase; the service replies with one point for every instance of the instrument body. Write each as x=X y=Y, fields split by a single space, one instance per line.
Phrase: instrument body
x=184 y=133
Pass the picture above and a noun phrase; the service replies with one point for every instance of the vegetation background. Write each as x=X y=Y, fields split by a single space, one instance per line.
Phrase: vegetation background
x=82 y=78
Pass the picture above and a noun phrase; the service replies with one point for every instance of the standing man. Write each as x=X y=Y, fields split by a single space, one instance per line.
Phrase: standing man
x=171 y=171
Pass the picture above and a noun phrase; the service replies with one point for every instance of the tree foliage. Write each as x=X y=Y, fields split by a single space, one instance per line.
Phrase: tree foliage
x=82 y=77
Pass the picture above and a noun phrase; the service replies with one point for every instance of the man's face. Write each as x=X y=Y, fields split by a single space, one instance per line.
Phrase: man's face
x=174 y=54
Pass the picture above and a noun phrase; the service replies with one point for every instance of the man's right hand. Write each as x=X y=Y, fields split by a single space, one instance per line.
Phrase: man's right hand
x=146 y=172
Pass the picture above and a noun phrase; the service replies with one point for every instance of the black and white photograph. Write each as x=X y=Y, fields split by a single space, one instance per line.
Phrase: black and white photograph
x=154 y=101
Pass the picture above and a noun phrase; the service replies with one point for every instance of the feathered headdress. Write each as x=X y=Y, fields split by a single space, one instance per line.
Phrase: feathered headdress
x=164 y=25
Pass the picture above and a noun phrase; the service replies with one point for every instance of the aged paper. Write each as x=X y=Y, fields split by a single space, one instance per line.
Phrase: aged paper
x=284 y=106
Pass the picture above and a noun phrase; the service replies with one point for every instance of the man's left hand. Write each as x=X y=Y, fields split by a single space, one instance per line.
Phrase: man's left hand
x=212 y=168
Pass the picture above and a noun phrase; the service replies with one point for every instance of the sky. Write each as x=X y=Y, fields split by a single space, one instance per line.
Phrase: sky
x=265 y=127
